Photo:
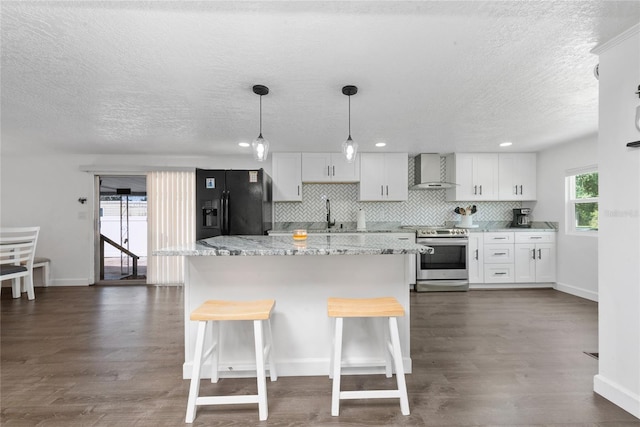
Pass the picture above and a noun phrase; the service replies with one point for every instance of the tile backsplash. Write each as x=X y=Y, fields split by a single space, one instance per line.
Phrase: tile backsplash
x=424 y=207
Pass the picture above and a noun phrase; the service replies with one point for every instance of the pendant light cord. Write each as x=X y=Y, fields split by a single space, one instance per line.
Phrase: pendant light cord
x=260 y=116
x=349 y=116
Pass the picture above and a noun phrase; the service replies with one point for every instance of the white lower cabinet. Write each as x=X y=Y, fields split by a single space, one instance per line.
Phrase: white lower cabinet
x=498 y=273
x=535 y=258
x=475 y=258
x=519 y=257
x=498 y=257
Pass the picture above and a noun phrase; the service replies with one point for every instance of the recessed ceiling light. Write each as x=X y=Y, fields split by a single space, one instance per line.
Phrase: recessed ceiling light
x=244 y=144
x=505 y=144
x=381 y=144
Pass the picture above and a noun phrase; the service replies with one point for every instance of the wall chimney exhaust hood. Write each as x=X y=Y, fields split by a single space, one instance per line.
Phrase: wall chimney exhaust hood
x=427 y=173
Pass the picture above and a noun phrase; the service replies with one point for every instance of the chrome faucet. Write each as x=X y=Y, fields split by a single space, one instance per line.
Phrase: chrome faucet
x=329 y=223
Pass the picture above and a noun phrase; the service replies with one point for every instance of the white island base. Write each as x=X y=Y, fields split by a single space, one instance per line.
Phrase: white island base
x=302 y=331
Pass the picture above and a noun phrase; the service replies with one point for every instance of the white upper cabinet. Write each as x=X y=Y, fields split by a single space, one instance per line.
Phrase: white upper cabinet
x=491 y=176
x=329 y=167
x=384 y=177
x=287 y=177
x=476 y=176
x=517 y=173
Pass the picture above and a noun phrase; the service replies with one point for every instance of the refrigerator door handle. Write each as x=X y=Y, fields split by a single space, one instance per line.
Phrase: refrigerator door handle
x=225 y=212
x=222 y=210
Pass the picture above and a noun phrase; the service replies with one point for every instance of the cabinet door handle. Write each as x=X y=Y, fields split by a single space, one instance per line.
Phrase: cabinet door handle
x=328 y=170
x=334 y=170
x=476 y=254
x=499 y=253
x=298 y=190
x=499 y=238
x=539 y=253
x=516 y=190
x=534 y=253
x=521 y=190
x=382 y=190
x=387 y=190
x=481 y=190
x=475 y=190
x=502 y=273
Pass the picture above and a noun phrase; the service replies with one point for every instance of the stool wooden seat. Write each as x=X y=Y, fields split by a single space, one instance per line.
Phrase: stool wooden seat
x=215 y=311
x=339 y=308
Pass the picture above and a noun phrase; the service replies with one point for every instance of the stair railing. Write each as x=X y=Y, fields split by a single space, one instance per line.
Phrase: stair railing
x=104 y=239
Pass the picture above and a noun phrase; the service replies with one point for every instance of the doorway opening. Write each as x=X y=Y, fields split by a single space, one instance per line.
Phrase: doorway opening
x=122 y=251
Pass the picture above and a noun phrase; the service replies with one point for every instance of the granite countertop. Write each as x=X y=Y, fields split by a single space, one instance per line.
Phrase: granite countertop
x=365 y=244
x=536 y=226
x=340 y=227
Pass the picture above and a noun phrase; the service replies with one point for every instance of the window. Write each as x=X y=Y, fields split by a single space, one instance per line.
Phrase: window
x=582 y=201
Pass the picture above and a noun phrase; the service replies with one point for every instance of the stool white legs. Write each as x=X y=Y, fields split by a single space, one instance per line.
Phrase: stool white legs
x=397 y=358
x=262 y=352
x=336 y=360
x=194 y=388
x=263 y=410
x=268 y=353
x=396 y=353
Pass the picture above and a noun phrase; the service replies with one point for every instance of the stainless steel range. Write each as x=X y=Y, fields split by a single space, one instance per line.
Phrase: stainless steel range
x=446 y=268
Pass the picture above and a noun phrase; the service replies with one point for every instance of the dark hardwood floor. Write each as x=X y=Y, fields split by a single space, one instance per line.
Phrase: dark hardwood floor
x=112 y=356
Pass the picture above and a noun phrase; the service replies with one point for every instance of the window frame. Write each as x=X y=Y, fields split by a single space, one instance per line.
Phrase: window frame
x=571 y=202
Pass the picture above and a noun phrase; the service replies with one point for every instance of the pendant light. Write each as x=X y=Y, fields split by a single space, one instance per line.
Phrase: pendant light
x=349 y=147
x=260 y=145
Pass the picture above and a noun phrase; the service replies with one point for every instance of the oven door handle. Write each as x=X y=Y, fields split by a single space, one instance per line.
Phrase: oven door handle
x=445 y=241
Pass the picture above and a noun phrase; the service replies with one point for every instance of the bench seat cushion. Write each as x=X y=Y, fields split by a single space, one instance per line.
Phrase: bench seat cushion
x=10 y=269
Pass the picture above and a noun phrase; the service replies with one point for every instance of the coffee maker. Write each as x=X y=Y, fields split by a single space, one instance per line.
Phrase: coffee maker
x=521 y=218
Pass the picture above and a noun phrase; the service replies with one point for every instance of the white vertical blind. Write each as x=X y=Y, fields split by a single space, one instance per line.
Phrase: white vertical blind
x=170 y=204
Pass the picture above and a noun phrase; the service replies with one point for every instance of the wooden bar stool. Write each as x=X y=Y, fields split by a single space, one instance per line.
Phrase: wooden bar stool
x=339 y=308
x=215 y=311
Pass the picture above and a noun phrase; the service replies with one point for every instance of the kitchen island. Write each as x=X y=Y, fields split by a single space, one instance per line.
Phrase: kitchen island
x=300 y=276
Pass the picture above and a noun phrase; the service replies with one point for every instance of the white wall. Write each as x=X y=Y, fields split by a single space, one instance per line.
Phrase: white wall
x=618 y=376
x=44 y=190
x=577 y=257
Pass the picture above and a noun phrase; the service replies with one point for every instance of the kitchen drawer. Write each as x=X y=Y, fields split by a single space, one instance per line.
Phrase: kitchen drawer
x=498 y=273
x=533 y=237
x=497 y=254
x=498 y=237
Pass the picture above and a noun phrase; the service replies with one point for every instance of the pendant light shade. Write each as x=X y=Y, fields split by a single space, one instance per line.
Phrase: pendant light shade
x=260 y=146
x=350 y=147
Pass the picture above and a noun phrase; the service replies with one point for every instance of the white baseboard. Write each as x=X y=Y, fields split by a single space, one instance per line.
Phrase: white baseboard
x=582 y=293
x=618 y=395
x=510 y=285
x=69 y=282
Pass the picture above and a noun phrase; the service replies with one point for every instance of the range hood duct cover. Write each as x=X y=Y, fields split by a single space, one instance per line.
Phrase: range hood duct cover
x=427 y=173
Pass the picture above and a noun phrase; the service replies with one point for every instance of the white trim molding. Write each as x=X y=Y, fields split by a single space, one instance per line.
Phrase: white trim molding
x=578 y=292
x=617 y=394
x=616 y=40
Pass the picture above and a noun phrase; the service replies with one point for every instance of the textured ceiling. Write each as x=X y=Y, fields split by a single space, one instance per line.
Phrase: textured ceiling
x=175 y=77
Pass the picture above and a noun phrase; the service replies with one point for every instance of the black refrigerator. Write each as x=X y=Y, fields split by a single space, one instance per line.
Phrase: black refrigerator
x=232 y=202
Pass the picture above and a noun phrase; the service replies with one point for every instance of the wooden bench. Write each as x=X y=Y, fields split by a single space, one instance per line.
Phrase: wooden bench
x=43 y=263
